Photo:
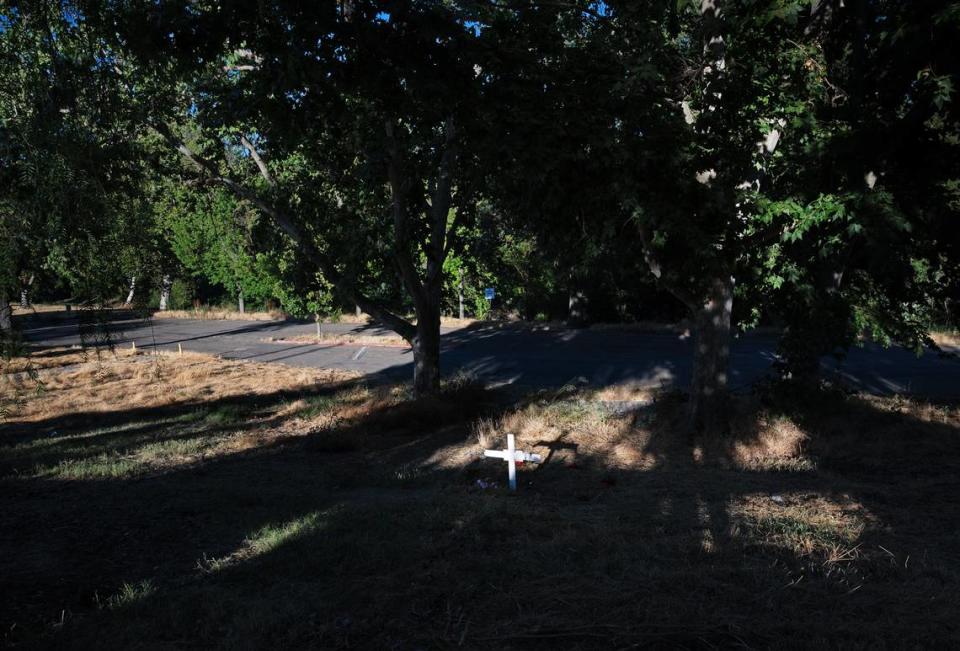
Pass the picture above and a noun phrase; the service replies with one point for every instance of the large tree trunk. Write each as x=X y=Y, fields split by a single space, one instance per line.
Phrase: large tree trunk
x=240 y=304
x=711 y=360
x=426 y=353
x=165 y=293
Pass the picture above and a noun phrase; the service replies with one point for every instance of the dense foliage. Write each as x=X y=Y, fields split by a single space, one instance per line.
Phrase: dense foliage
x=790 y=163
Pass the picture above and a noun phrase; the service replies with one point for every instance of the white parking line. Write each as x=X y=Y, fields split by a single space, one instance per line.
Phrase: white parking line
x=357 y=355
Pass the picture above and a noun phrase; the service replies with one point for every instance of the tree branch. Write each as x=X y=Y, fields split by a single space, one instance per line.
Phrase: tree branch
x=440 y=204
x=401 y=252
x=657 y=270
x=255 y=155
x=396 y=323
x=451 y=234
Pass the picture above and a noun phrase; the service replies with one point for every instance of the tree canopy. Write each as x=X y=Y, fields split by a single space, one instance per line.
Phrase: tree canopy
x=784 y=162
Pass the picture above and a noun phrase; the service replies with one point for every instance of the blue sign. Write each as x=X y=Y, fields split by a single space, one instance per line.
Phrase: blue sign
x=488 y=293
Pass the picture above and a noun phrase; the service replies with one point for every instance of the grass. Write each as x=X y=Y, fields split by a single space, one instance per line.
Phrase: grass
x=335 y=338
x=35 y=308
x=267 y=539
x=219 y=314
x=130 y=595
x=946 y=338
x=192 y=502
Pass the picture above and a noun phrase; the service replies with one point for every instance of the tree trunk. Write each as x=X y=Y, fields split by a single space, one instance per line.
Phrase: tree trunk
x=359 y=312
x=426 y=357
x=25 y=292
x=6 y=321
x=460 y=294
x=426 y=342
x=240 y=305
x=711 y=360
x=577 y=307
x=133 y=287
x=425 y=291
x=165 y=293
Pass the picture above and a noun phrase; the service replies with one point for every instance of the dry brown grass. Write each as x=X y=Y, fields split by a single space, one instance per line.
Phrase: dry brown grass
x=629 y=428
x=51 y=358
x=123 y=379
x=215 y=314
x=39 y=308
x=334 y=338
x=946 y=339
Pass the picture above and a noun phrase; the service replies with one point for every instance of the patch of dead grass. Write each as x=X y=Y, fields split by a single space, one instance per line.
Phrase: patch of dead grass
x=215 y=314
x=45 y=359
x=39 y=308
x=335 y=338
x=946 y=339
x=628 y=429
x=77 y=383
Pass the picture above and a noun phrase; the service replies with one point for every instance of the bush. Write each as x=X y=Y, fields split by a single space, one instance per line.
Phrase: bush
x=181 y=295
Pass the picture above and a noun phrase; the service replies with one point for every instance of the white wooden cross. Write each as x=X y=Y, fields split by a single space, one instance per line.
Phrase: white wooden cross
x=511 y=455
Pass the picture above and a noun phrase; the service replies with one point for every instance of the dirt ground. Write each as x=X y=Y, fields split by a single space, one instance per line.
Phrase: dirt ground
x=189 y=502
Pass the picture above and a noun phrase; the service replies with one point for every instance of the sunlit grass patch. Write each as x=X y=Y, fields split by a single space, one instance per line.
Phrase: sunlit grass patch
x=102 y=466
x=350 y=338
x=272 y=536
x=804 y=525
x=323 y=405
x=267 y=539
x=124 y=381
x=130 y=461
x=131 y=595
x=93 y=438
x=219 y=314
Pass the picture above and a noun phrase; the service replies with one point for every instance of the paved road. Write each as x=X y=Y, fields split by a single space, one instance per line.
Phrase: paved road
x=543 y=358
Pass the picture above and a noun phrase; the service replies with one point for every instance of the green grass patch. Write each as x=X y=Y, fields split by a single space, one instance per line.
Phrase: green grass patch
x=266 y=539
x=225 y=415
x=134 y=457
x=320 y=405
x=131 y=595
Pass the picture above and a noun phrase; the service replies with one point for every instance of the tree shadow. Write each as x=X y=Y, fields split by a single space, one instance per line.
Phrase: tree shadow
x=19 y=432
x=387 y=542
x=549 y=356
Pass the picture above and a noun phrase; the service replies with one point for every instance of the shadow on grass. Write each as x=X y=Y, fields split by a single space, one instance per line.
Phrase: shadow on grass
x=387 y=542
x=13 y=431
